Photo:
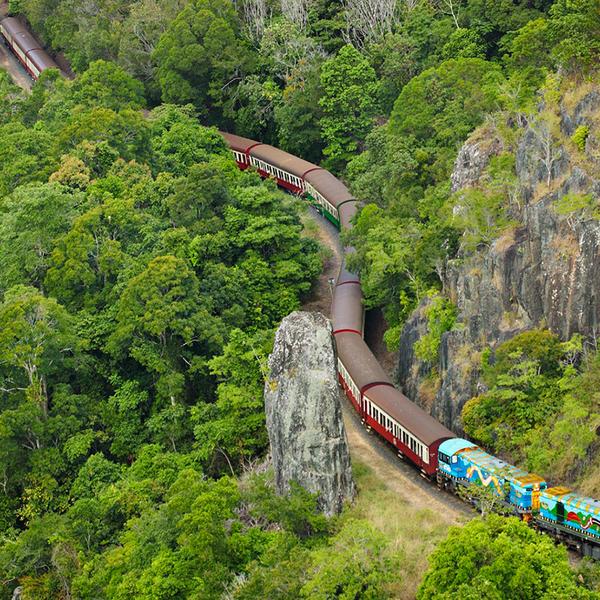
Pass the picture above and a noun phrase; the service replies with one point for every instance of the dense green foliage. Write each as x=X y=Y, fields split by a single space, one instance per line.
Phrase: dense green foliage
x=141 y=275
x=441 y=316
x=541 y=406
x=499 y=558
x=140 y=279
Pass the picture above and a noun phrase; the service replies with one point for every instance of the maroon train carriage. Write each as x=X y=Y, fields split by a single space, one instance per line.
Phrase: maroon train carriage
x=240 y=146
x=297 y=175
x=344 y=275
x=346 y=211
x=27 y=49
x=286 y=168
x=329 y=192
x=415 y=433
x=358 y=369
x=347 y=314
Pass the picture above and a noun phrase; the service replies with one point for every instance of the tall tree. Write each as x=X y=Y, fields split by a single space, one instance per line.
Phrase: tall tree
x=349 y=104
x=202 y=56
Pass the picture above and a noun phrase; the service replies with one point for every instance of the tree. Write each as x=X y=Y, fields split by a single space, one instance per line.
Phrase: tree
x=24 y=156
x=31 y=218
x=178 y=141
x=298 y=116
x=232 y=430
x=10 y=98
x=464 y=43
x=574 y=27
x=124 y=133
x=37 y=342
x=141 y=31
x=349 y=104
x=161 y=320
x=444 y=104
x=527 y=383
x=106 y=84
x=87 y=31
x=369 y=21
x=499 y=558
x=201 y=56
x=288 y=52
x=87 y=260
x=296 y=11
x=254 y=15
x=353 y=565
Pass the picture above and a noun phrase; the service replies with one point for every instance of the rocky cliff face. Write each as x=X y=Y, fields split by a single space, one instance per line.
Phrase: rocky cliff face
x=544 y=271
x=304 y=415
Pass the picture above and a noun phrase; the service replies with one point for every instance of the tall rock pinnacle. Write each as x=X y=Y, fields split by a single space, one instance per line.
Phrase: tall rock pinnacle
x=304 y=416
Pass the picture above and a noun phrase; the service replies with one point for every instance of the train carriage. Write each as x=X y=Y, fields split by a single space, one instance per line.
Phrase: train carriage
x=463 y=463
x=347 y=313
x=345 y=275
x=28 y=50
x=571 y=516
x=240 y=148
x=288 y=169
x=415 y=433
x=358 y=369
x=331 y=197
x=329 y=193
x=346 y=212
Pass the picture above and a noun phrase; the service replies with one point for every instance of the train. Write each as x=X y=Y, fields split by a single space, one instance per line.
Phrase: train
x=27 y=49
x=451 y=462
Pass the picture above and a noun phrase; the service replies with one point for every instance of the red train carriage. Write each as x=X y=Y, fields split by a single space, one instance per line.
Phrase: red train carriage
x=347 y=308
x=346 y=276
x=295 y=174
x=358 y=369
x=27 y=49
x=415 y=433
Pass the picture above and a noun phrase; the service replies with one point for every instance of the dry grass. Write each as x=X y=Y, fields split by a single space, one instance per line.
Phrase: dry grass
x=468 y=359
x=542 y=189
x=413 y=533
x=574 y=94
x=589 y=484
x=567 y=247
x=509 y=320
x=428 y=389
x=506 y=240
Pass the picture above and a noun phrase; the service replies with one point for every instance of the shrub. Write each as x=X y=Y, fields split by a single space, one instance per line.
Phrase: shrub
x=580 y=136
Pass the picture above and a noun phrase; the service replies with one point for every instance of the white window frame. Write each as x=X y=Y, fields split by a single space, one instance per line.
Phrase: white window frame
x=321 y=200
x=400 y=433
x=349 y=381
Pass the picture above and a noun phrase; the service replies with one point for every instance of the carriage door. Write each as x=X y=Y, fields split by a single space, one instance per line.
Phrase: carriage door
x=560 y=512
x=535 y=498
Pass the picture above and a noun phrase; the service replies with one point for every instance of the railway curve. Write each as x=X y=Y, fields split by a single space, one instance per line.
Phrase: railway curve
x=417 y=437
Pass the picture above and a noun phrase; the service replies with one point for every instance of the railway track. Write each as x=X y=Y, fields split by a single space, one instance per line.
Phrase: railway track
x=416 y=436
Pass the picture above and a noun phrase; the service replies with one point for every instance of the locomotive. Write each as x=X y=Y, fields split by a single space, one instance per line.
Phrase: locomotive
x=452 y=462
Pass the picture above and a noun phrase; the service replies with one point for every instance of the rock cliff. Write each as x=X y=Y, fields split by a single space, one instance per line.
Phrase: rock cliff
x=542 y=271
x=304 y=415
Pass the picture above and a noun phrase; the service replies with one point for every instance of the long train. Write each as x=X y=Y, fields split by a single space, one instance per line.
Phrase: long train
x=453 y=462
